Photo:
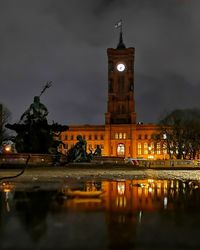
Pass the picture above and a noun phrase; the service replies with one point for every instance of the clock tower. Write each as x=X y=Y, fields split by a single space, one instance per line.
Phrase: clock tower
x=120 y=104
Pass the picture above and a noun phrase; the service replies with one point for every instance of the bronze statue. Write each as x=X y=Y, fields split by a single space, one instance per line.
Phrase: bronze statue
x=78 y=153
x=36 y=112
x=97 y=151
x=34 y=134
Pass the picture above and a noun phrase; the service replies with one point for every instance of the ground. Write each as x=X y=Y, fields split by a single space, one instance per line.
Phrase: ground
x=88 y=172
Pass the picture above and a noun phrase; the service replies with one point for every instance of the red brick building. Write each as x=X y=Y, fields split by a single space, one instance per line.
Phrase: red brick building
x=121 y=135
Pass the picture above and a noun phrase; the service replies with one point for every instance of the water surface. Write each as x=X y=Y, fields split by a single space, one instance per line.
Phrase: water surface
x=96 y=214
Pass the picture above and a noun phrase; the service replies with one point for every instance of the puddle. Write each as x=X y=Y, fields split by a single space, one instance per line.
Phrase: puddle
x=105 y=214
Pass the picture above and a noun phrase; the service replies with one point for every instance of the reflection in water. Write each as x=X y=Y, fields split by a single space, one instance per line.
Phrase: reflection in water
x=117 y=214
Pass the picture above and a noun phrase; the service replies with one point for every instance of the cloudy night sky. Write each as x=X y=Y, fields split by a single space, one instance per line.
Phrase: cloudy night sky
x=66 y=41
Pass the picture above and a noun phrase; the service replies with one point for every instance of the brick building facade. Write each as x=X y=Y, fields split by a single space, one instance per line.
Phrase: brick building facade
x=121 y=135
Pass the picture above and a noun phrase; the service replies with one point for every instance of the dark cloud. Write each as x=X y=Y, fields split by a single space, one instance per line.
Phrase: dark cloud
x=66 y=41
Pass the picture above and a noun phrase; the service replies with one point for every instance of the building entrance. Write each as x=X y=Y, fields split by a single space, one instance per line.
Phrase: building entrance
x=120 y=149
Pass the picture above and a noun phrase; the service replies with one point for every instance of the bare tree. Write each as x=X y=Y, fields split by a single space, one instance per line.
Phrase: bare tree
x=5 y=115
x=180 y=133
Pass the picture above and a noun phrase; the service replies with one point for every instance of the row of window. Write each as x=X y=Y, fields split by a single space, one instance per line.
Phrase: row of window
x=152 y=148
x=89 y=137
x=90 y=146
x=140 y=137
x=146 y=137
x=120 y=136
x=101 y=137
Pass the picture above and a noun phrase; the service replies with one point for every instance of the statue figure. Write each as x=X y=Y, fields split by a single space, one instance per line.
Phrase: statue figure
x=34 y=134
x=97 y=151
x=37 y=112
x=78 y=153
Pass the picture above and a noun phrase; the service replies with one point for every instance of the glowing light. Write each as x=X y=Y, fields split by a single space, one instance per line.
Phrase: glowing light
x=120 y=67
x=121 y=188
x=150 y=189
x=140 y=216
x=165 y=202
x=7 y=148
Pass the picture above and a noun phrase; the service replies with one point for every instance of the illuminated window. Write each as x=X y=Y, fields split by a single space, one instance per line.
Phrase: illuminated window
x=158 y=148
x=152 y=147
x=139 y=148
x=164 y=148
x=124 y=135
x=145 y=148
x=120 y=135
x=116 y=136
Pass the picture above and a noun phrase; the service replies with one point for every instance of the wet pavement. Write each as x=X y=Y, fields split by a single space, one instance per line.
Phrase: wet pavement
x=101 y=208
x=85 y=171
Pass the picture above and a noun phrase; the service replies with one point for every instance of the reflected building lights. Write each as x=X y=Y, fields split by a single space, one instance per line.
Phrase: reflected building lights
x=129 y=196
x=140 y=217
x=121 y=188
x=165 y=202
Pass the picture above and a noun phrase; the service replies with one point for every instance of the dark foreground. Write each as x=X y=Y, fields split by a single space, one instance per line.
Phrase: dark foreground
x=99 y=208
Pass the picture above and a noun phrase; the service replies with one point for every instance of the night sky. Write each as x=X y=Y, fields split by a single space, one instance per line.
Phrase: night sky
x=66 y=41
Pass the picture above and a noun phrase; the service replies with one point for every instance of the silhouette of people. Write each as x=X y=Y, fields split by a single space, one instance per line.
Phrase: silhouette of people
x=36 y=112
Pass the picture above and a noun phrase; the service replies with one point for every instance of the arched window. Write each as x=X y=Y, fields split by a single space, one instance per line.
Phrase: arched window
x=158 y=148
x=120 y=149
x=146 y=148
x=139 y=148
x=152 y=147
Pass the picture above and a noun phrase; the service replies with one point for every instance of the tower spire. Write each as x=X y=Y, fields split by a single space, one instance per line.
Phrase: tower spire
x=121 y=44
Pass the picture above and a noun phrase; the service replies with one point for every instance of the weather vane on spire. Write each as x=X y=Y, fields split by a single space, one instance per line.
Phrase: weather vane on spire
x=119 y=25
x=121 y=44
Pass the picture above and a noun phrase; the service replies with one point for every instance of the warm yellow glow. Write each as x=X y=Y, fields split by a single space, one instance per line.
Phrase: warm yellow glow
x=150 y=156
x=121 y=188
x=150 y=189
x=7 y=148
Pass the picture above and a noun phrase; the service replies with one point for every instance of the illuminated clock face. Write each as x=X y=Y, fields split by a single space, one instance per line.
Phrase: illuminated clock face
x=120 y=67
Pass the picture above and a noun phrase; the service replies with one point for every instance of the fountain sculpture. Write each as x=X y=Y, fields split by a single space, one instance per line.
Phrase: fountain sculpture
x=34 y=134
